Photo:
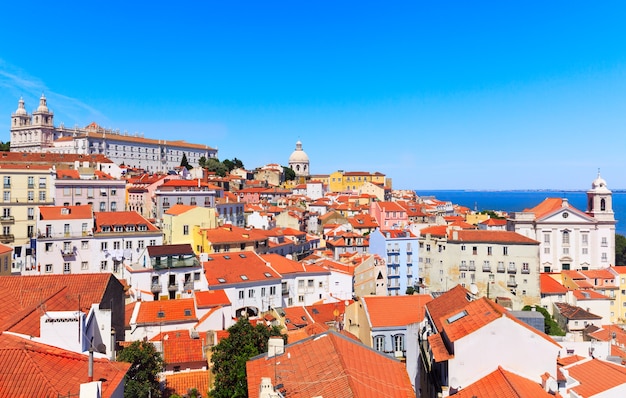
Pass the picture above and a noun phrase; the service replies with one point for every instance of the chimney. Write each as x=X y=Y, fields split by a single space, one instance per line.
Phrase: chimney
x=275 y=346
x=112 y=344
x=90 y=369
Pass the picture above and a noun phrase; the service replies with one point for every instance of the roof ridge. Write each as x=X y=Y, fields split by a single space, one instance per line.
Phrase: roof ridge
x=29 y=310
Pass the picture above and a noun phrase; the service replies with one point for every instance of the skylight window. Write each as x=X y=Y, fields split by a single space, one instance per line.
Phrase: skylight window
x=226 y=257
x=187 y=312
x=221 y=280
x=243 y=277
x=242 y=255
x=267 y=274
x=457 y=316
x=160 y=314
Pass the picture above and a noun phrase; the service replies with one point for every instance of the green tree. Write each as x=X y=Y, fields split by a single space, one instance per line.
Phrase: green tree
x=229 y=357
x=290 y=175
x=550 y=326
x=202 y=161
x=142 y=380
x=185 y=163
x=410 y=291
x=213 y=164
x=5 y=146
x=620 y=249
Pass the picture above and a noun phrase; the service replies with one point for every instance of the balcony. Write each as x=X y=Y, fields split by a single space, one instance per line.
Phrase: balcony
x=9 y=238
x=525 y=270
x=511 y=270
x=188 y=286
x=172 y=287
x=67 y=253
x=511 y=283
x=472 y=267
x=501 y=269
x=155 y=288
x=463 y=267
x=486 y=268
x=7 y=219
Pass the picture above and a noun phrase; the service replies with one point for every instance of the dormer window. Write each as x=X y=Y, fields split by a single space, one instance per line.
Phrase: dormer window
x=130 y=228
x=142 y=227
x=106 y=228
x=65 y=211
x=119 y=228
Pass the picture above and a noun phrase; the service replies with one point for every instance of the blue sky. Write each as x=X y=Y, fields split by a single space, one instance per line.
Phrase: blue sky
x=436 y=95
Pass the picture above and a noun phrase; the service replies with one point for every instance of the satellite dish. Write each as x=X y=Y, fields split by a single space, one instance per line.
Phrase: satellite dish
x=473 y=289
x=102 y=349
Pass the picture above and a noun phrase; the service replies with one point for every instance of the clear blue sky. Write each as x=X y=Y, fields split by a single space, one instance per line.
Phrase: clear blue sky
x=436 y=95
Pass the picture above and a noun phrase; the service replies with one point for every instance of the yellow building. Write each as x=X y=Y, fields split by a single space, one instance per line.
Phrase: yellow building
x=618 y=310
x=341 y=181
x=6 y=252
x=179 y=222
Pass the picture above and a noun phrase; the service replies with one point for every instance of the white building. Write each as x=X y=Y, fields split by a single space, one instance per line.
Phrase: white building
x=37 y=133
x=299 y=161
x=570 y=238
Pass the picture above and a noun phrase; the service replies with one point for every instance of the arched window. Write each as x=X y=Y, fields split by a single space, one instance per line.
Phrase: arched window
x=566 y=237
x=602 y=204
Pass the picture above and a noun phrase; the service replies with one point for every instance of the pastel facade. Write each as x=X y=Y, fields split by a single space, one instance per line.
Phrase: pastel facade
x=389 y=215
x=184 y=192
x=89 y=186
x=341 y=181
x=400 y=249
x=495 y=263
x=179 y=222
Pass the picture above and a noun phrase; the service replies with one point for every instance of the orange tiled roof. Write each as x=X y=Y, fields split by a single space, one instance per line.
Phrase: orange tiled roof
x=596 y=376
x=65 y=212
x=21 y=312
x=50 y=158
x=333 y=366
x=282 y=264
x=211 y=298
x=178 y=209
x=180 y=382
x=551 y=205
x=5 y=249
x=598 y=274
x=491 y=236
x=180 y=347
x=395 y=310
x=31 y=369
x=235 y=268
x=494 y=222
x=550 y=286
x=503 y=384
x=166 y=311
x=111 y=218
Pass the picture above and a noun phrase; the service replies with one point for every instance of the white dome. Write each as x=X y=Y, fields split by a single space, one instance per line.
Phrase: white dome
x=598 y=182
x=43 y=106
x=21 y=110
x=298 y=156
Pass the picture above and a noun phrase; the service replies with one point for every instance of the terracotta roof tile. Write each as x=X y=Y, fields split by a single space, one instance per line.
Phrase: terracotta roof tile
x=550 y=286
x=181 y=382
x=503 y=384
x=111 y=218
x=166 y=311
x=333 y=366
x=211 y=298
x=596 y=376
x=395 y=310
x=65 y=212
x=32 y=369
x=490 y=236
x=236 y=268
x=180 y=347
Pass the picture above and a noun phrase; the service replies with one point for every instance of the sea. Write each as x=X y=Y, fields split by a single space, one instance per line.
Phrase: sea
x=511 y=201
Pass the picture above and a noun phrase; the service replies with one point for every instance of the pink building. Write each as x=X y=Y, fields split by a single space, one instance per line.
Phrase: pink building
x=389 y=215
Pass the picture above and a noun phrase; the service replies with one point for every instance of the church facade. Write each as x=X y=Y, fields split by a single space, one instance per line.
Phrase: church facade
x=36 y=132
x=571 y=239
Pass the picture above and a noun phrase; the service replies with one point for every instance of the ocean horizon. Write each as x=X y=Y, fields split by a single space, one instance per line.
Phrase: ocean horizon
x=519 y=200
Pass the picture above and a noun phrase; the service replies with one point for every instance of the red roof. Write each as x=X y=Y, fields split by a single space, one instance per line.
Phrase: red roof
x=211 y=298
x=490 y=236
x=333 y=366
x=31 y=369
x=181 y=382
x=166 y=311
x=550 y=286
x=235 y=268
x=387 y=311
x=503 y=384
x=180 y=347
x=122 y=218
x=596 y=376
x=65 y=212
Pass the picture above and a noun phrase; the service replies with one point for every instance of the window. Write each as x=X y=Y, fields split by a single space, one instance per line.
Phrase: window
x=66 y=229
x=48 y=246
x=300 y=299
x=89 y=192
x=31 y=182
x=250 y=293
x=301 y=284
x=604 y=258
x=489 y=250
x=566 y=237
x=152 y=242
x=379 y=343
x=66 y=191
x=42 y=196
x=604 y=242
x=84 y=265
x=310 y=283
x=398 y=342
x=42 y=182
x=104 y=246
x=78 y=191
x=262 y=292
x=31 y=196
x=140 y=244
x=113 y=206
x=31 y=213
x=67 y=247
x=116 y=245
x=241 y=295
x=113 y=192
x=546 y=238
x=474 y=250
x=103 y=206
x=185 y=229
x=585 y=239
x=103 y=265
x=505 y=251
x=48 y=267
x=272 y=290
x=7 y=181
x=7 y=196
x=129 y=244
x=66 y=268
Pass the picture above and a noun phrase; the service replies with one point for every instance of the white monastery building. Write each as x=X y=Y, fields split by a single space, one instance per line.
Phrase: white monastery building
x=36 y=132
